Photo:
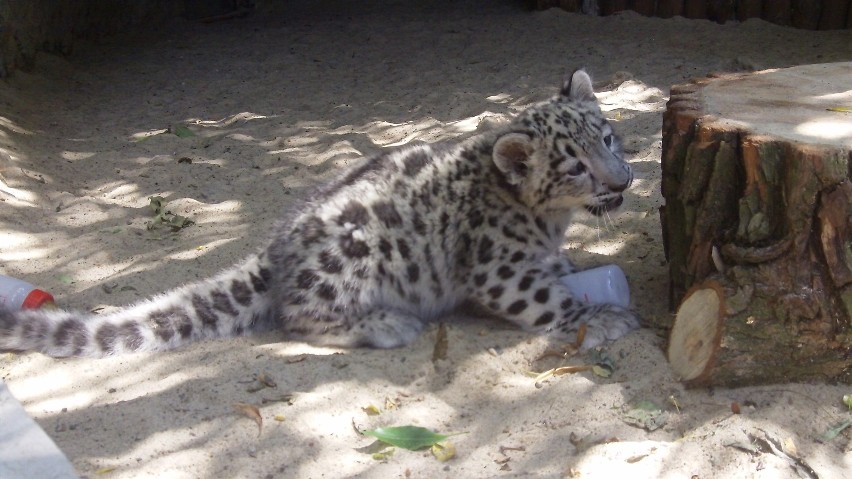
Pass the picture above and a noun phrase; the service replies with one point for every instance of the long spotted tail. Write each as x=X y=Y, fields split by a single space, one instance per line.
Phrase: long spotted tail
x=229 y=304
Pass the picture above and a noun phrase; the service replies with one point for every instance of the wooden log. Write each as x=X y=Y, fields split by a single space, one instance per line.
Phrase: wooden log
x=756 y=181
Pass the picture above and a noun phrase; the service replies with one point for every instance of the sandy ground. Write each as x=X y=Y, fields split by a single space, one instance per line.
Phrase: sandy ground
x=279 y=102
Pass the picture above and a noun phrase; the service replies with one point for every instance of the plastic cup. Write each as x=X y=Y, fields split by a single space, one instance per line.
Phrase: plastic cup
x=603 y=285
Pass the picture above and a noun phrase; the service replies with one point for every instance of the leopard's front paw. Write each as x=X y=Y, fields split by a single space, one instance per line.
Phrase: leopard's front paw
x=609 y=323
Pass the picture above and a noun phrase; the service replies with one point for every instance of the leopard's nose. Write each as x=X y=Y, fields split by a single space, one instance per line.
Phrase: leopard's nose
x=623 y=185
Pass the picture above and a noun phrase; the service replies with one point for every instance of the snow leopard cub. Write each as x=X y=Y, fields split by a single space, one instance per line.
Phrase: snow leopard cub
x=394 y=243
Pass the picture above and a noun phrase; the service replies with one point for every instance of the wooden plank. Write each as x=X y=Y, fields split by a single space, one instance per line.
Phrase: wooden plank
x=720 y=11
x=777 y=11
x=695 y=9
x=805 y=14
x=669 y=8
x=608 y=7
x=644 y=7
x=749 y=9
x=833 y=15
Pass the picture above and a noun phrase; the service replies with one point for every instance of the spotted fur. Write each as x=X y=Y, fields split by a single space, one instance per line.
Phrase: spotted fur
x=397 y=241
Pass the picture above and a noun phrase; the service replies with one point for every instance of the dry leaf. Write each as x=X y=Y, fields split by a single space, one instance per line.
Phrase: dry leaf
x=443 y=451
x=279 y=417
x=735 y=407
x=566 y=351
x=262 y=378
x=581 y=336
x=674 y=402
x=503 y=449
x=371 y=410
x=441 y=344
x=384 y=454
x=263 y=382
x=560 y=371
x=250 y=411
x=288 y=398
x=583 y=443
x=571 y=472
x=790 y=447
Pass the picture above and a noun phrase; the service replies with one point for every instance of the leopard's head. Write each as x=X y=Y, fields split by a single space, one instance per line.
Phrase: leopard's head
x=562 y=155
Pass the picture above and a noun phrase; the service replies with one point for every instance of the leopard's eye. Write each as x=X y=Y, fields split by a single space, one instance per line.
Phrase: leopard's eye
x=608 y=141
x=578 y=169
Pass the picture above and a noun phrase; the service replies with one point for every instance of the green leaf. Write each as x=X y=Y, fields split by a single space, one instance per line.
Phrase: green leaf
x=836 y=430
x=406 y=437
x=182 y=131
x=157 y=203
x=602 y=370
x=847 y=400
x=646 y=414
x=384 y=454
x=164 y=217
x=177 y=222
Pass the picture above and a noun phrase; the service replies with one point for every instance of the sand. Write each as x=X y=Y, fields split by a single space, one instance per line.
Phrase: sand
x=278 y=103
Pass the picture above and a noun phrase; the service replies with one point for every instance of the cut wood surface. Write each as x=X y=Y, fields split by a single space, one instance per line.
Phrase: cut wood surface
x=695 y=336
x=756 y=179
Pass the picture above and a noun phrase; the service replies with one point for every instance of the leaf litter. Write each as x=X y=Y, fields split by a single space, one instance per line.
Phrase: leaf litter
x=599 y=363
x=439 y=352
x=252 y=412
x=647 y=415
x=764 y=443
x=164 y=217
x=262 y=381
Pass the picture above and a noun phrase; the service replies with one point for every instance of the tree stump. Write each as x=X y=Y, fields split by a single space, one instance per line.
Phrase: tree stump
x=756 y=226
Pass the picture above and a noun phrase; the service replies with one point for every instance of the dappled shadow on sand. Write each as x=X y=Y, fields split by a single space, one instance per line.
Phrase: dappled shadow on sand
x=280 y=105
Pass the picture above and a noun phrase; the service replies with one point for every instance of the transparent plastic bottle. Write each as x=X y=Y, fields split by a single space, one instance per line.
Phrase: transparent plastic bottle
x=17 y=294
x=604 y=284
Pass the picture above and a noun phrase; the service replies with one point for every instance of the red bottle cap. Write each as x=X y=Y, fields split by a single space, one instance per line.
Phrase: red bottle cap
x=36 y=299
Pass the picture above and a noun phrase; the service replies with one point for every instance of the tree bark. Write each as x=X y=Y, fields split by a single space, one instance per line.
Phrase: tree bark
x=757 y=226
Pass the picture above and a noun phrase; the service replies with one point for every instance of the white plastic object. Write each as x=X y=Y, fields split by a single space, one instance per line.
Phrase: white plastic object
x=17 y=294
x=604 y=284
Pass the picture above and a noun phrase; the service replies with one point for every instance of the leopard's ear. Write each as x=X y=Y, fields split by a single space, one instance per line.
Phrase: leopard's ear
x=511 y=155
x=578 y=87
